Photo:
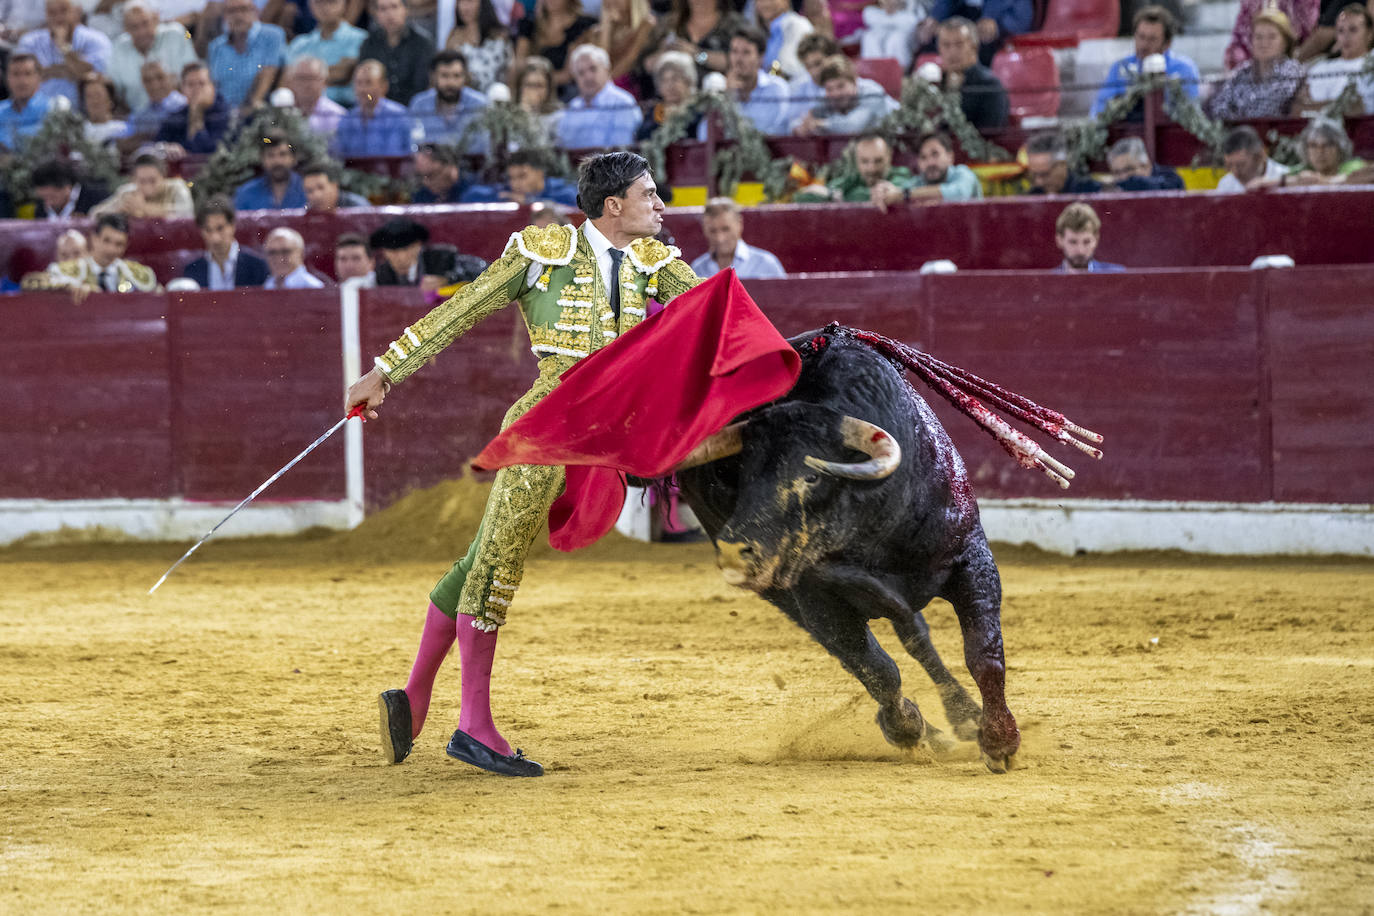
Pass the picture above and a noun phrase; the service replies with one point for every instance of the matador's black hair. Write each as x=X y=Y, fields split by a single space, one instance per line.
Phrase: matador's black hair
x=607 y=175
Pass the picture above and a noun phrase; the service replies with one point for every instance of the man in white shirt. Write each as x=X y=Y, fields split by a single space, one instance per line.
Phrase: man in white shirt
x=723 y=225
x=285 y=250
x=1247 y=161
x=762 y=97
x=146 y=39
x=306 y=78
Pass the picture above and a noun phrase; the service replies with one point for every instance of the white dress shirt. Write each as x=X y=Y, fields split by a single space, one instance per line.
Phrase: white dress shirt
x=223 y=278
x=300 y=278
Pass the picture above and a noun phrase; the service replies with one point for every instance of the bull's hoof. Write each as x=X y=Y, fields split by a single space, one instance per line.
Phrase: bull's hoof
x=903 y=726
x=999 y=764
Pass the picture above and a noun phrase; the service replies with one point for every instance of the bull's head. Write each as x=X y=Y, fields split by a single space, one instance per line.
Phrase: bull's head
x=801 y=497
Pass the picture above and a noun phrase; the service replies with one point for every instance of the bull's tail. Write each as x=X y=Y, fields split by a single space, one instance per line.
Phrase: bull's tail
x=964 y=390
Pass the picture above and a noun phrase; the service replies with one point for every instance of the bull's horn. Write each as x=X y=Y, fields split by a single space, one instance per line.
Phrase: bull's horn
x=723 y=444
x=884 y=452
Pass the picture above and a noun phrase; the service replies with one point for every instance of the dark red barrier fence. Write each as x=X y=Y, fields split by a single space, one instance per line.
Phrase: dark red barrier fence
x=1226 y=384
x=1331 y=226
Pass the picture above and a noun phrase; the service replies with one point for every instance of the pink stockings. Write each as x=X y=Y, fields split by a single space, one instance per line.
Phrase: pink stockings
x=476 y=650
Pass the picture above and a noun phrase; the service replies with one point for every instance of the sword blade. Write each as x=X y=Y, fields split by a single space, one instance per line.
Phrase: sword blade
x=251 y=496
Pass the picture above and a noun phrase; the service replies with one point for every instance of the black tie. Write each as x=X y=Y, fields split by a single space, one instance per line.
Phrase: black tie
x=104 y=281
x=616 y=257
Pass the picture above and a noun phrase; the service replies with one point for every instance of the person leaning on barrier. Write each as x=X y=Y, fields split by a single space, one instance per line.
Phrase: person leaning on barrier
x=62 y=194
x=527 y=181
x=105 y=269
x=440 y=175
x=1076 y=233
x=279 y=187
x=851 y=105
x=322 y=191
x=940 y=179
x=1047 y=168
x=1247 y=162
x=151 y=194
x=1132 y=169
x=875 y=179
x=1327 y=158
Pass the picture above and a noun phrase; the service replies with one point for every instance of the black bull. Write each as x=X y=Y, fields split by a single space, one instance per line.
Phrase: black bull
x=834 y=538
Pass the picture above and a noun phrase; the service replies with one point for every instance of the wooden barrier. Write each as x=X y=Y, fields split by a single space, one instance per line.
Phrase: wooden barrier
x=1213 y=385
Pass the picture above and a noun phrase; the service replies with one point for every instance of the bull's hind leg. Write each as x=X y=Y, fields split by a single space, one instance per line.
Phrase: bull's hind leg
x=975 y=590
x=844 y=633
x=960 y=709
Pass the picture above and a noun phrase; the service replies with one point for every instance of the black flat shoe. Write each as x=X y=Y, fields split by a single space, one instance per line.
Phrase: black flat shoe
x=468 y=749
x=394 y=706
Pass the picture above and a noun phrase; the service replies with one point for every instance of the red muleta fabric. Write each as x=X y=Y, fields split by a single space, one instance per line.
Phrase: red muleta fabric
x=640 y=404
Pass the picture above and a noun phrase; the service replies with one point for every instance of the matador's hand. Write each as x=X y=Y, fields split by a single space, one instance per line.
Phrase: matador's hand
x=371 y=390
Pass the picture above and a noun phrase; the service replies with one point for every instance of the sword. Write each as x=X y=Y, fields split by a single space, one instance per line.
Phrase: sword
x=356 y=411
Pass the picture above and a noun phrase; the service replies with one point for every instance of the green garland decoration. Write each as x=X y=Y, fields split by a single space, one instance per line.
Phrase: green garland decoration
x=748 y=155
x=236 y=158
x=61 y=137
x=511 y=127
x=1285 y=149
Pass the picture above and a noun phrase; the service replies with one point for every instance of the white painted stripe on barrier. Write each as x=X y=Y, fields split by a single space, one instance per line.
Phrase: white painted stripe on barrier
x=353 y=432
x=97 y=520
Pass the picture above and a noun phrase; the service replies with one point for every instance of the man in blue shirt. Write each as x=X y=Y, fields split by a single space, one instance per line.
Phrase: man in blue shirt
x=993 y=20
x=22 y=113
x=602 y=114
x=278 y=187
x=940 y=178
x=762 y=97
x=145 y=122
x=378 y=126
x=446 y=110
x=198 y=126
x=723 y=226
x=527 y=181
x=1154 y=28
x=244 y=61
x=440 y=175
x=1077 y=232
x=335 y=42
x=66 y=50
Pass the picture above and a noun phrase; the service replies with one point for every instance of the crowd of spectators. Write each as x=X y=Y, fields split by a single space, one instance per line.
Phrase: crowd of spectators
x=161 y=83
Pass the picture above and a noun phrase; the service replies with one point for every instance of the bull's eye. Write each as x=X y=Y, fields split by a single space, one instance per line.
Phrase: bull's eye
x=811 y=477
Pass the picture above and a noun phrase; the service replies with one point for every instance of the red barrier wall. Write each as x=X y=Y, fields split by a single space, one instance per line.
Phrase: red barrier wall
x=1227 y=384
x=1331 y=226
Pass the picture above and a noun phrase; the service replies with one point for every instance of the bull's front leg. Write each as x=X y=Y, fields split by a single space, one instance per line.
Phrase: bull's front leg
x=976 y=593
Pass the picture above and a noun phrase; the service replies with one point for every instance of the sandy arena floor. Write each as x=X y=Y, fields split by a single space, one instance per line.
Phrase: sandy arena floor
x=215 y=746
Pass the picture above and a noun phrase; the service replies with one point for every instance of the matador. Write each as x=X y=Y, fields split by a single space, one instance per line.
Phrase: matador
x=578 y=289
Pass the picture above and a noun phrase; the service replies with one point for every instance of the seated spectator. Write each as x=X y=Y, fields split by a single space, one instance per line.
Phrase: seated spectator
x=701 y=29
x=199 y=126
x=485 y=43
x=1132 y=169
x=675 y=78
x=307 y=77
x=982 y=98
x=322 y=192
x=1327 y=79
x=224 y=265
x=446 y=110
x=441 y=177
x=1327 y=155
x=151 y=194
x=98 y=107
x=1301 y=16
x=408 y=259
x=378 y=126
x=994 y=21
x=889 y=31
x=105 y=269
x=785 y=30
x=285 y=251
x=762 y=97
x=400 y=48
x=1247 y=161
x=353 y=261
x=278 y=187
x=851 y=105
x=875 y=178
x=70 y=246
x=61 y=194
x=526 y=183
x=602 y=114
x=804 y=91
x=723 y=225
x=534 y=92
x=163 y=99
x=940 y=178
x=245 y=60
x=334 y=41
x=1318 y=44
x=1267 y=82
x=1076 y=233
x=1153 y=30
x=23 y=112
x=65 y=49
x=624 y=32
x=556 y=27
x=146 y=40
x=1047 y=167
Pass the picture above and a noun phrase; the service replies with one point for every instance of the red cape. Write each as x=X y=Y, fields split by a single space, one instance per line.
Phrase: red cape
x=644 y=401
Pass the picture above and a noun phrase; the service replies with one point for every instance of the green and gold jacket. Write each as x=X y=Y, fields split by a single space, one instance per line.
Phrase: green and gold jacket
x=567 y=310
